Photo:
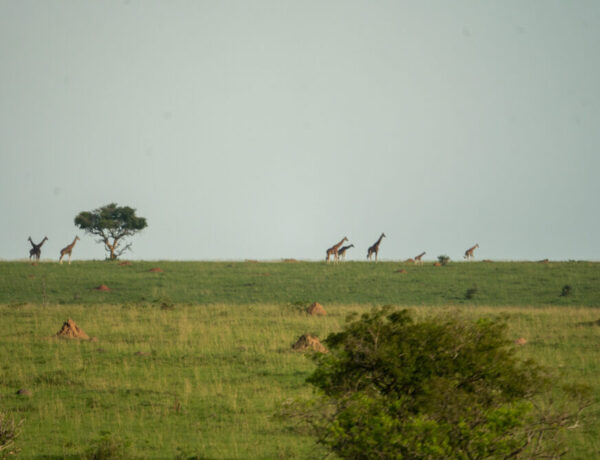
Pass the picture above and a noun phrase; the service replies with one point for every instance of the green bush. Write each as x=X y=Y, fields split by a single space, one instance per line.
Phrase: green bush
x=443 y=259
x=442 y=387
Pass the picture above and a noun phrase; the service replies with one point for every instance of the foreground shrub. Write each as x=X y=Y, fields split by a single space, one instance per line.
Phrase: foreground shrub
x=439 y=388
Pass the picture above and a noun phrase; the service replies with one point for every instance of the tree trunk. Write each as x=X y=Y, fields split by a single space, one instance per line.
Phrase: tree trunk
x=111 y=248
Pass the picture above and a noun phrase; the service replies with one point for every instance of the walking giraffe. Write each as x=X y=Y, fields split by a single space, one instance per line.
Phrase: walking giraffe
x=375 y=248
x=469 y=252
x=342 y=251
x=67 y=251
x=419 y=258
x=36 y=250
x=333 y=251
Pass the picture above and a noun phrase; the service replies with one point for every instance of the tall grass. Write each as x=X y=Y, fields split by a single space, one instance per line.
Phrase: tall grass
x=207 y=380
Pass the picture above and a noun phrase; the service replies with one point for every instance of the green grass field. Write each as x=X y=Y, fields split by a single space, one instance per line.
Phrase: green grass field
x=242 y=283
x=196 y=360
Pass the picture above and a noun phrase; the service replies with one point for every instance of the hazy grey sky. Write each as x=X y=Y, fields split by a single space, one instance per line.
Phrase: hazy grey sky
x=272 y=129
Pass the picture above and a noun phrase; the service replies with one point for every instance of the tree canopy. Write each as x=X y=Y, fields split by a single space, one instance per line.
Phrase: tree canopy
x=443 y=387
x=112 y=224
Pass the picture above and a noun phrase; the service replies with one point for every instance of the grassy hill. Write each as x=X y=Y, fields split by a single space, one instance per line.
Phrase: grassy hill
x=196 y=360
x=494 y=284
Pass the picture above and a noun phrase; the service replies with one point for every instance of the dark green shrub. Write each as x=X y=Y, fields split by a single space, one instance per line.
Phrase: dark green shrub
x=438 y=388
x=471 y=292
x=443 y=259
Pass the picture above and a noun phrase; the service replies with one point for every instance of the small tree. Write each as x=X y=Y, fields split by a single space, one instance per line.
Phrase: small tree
x=443 y=387
x=112 y=224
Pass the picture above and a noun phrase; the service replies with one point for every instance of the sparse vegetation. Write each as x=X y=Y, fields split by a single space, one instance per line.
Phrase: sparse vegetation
x=9 y=431
x=108 y=447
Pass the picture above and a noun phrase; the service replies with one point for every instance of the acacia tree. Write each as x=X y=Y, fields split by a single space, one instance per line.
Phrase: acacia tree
x=112 y=224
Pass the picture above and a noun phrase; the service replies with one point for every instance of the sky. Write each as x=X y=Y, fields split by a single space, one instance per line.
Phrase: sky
x=272 y=129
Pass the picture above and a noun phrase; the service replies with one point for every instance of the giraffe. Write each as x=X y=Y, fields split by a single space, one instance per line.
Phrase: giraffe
x=333 y=250
x=36 y=250
x=67 y=251
x=469 y=252
x=419 y=258
x=342 y=251
x=375 y=248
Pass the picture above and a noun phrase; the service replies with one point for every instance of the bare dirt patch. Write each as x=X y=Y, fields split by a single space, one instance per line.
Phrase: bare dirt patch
x=156 y=270
x=410 y=261
x=521 y=341
x=437 y=264
x=70 y=330
x=316 y=309
x=125 y=263
x=309 y=342
x=102 y=287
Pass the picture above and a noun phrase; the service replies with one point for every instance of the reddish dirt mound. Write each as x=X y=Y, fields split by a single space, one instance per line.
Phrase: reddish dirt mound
x=156 y=270
x=124 y=263
x=410 y=261
x=35 y=264
x=401 y=271
x=521 y=341
x=316 y=309
x=437 y=264
x=309 y=342
x=72 y=331
x=102 y=287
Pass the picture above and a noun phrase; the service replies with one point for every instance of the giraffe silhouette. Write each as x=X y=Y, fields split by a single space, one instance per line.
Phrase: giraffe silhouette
x=67 y=250
x=374 y=249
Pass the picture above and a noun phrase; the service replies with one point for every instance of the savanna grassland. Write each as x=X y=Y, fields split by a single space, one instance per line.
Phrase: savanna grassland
x=196 y=360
